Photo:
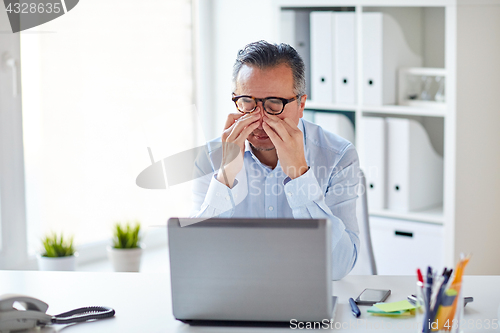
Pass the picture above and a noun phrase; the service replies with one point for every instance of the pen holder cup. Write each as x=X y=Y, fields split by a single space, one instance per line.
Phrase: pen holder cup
x=446 y=309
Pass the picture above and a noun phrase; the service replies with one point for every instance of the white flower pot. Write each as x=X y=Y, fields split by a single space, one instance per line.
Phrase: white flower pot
x=125 y=260
x=57 y=263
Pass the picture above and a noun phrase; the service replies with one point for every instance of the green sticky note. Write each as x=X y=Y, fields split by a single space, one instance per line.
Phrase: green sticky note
x=395 y=306
x=375 y=310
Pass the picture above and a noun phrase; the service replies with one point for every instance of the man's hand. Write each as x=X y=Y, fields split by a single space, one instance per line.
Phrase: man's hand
x=289 y=143
x=237 y=129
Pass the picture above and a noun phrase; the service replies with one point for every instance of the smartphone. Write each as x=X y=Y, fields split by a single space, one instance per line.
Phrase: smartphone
x=372 y=296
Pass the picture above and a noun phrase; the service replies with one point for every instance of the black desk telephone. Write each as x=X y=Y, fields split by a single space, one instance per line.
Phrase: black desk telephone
x=30 y=312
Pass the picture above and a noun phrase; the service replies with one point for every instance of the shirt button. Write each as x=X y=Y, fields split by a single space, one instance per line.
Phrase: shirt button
x=217 y=194
x=227 y=197
x=289 y=194
x=270 y=175
x=271 y=207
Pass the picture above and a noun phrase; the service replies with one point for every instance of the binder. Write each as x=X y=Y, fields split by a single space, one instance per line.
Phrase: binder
x=372 y=58
x=322 y=57
x=344 y=46
x=385 y=49
x=336 y=123
x=415 y=170
x=287 y=27
x=295 y=31
x=374 y=164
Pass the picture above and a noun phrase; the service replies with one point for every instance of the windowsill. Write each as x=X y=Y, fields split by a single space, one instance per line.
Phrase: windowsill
x=93 y=257
x=153 y=260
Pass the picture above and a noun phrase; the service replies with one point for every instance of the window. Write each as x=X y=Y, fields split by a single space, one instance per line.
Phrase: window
x=100 y=85
x=12 y=210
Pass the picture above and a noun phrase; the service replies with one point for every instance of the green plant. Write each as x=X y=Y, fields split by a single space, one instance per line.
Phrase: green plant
x=57 y=246
x=126 y=236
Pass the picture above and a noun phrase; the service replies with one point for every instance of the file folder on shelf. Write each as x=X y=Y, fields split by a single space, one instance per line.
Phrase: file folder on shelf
x=385 y=49
x=295 y=31
x=344 y=57
x=322 y=57
x=374 y=163
x=336 y=123
x=372 y=59
x=415 y=170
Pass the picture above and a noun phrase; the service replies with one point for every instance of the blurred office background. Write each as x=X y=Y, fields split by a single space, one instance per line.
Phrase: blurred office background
x=100 y=84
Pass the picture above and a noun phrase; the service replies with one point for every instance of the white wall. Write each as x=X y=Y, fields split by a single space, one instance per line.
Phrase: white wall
x=477 y=226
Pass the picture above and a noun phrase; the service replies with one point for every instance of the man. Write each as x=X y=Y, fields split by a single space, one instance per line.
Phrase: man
x=287 y=167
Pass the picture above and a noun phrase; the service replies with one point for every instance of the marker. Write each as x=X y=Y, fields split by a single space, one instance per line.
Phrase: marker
x=354 y=307
x=419 y=274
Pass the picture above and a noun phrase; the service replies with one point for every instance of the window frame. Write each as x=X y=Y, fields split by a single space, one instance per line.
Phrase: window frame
x=13 y=249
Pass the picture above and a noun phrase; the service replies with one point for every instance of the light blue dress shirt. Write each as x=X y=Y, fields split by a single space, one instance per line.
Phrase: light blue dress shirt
x=327 y=190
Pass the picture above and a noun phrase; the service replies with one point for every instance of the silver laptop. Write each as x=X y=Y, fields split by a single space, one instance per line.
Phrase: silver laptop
x=251 y=271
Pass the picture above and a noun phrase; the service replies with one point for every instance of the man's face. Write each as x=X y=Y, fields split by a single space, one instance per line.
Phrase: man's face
x=269 y=82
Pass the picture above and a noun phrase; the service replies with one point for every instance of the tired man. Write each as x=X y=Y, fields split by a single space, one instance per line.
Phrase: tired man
x=287 y=167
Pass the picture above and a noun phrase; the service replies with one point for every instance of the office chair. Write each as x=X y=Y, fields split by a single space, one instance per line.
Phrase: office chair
x=365 y=264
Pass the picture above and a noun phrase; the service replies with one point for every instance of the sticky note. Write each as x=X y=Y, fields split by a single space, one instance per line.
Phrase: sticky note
x=395 y=306
x=375 y=310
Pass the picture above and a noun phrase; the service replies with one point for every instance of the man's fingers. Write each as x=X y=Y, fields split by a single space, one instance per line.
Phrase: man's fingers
x=290 y=125
x=227 y=132
x=277 y=125
x=276 y=140
x=246 y=132
x=231 y=118
x=241 y=124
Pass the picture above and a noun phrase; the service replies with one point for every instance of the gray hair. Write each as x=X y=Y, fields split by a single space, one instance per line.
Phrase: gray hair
x=266 y=55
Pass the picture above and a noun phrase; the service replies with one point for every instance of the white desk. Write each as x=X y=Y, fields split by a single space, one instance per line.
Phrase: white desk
x=142 y=301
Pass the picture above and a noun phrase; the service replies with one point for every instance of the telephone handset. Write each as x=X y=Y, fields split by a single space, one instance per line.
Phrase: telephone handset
x=33 y=313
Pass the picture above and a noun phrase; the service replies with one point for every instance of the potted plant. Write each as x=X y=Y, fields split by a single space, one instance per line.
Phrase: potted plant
x=58 y=254
x=126 y=252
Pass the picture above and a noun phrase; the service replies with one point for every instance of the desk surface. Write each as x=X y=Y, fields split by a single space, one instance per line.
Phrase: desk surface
x=142 y=300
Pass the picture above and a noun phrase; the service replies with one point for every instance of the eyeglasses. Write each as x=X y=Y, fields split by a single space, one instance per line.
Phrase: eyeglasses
x=272 y=105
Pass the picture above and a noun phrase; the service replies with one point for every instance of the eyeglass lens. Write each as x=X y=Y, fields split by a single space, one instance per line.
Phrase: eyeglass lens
x=272 y=105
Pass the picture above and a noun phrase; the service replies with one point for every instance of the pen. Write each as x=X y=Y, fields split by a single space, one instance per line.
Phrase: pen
x=446 y=275
x=428 y=293
x=354 y=307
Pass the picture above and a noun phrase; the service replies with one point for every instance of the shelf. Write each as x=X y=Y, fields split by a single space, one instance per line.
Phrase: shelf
x=404 y=110
x=434 y=215
x=329 y=107
x=367 y=3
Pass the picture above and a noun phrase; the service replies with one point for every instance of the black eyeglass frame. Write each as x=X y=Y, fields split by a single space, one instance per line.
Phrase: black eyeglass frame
x=263 y=100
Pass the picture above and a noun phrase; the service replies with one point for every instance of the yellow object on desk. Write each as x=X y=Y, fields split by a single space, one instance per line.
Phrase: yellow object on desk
x=395 y=306
x=446 y=311
x=394 y=309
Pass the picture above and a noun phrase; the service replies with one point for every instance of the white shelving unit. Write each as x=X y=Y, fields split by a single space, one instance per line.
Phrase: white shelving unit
x=446 y=29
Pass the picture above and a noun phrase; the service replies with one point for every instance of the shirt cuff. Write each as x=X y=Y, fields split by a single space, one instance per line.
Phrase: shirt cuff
x=219 y=196
x=302 y=190
x=223 y=198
